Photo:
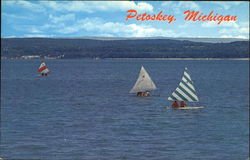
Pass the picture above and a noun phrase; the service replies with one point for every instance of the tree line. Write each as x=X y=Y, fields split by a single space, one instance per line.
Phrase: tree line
x=140 y=48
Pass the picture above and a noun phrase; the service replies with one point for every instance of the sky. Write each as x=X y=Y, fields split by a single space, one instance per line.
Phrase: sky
x=108 y=19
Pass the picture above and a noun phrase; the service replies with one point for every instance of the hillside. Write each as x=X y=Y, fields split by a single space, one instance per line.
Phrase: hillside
x=123 y=48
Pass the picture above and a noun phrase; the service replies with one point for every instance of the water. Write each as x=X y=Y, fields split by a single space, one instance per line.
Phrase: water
x=83 y=111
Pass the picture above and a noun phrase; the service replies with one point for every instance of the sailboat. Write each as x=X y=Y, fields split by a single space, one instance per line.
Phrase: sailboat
x=144 y=84
x=185 y=92
x=43 y=69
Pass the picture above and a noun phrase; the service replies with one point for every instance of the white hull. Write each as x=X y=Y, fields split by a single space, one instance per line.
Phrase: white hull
x=186 y=108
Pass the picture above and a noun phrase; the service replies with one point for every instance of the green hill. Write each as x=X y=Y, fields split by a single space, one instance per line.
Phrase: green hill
x=122 y=48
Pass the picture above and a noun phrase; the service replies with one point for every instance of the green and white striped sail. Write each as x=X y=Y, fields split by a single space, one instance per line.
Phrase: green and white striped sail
x=185 y=91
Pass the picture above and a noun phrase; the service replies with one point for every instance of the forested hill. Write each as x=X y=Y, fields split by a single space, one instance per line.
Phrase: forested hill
x=132 y=48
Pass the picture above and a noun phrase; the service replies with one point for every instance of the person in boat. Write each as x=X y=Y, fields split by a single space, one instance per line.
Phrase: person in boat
x=146 y=94
x=143 y=94
x=182 y=104
x=139 y=94
x=175 y=104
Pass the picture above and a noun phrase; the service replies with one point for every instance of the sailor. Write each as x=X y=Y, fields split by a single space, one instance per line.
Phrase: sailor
x=144 y=94
x=175 y=104
x=182 y=104
x=139 y=94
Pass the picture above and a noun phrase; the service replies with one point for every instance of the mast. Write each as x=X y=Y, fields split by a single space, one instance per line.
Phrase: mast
x=144 y=82
x=185 y=91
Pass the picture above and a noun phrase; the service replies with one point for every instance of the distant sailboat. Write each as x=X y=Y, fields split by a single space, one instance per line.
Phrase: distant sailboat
x=43 y=69
x=185 y=91
x=144 y=84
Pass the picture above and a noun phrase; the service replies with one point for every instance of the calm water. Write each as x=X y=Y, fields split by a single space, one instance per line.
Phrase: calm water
x=83 y=111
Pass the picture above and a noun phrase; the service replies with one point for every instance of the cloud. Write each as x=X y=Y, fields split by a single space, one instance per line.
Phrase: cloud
x=231 y=36
x=94 y=6
x=132 y=30
x=236 y=28
x=37 y=35
x=189 y=5
x=127 y=30
x=181 y=6
x=147 y=31
x=62 y=18
x=36 y=7
x=80 y=6
x=244 y=30
x=15 y=16
x=106 y=35
x=211 y=24
x=241 y=29
x=226 y=5
x=10 y=36
x=186 y=24
x=35 y=30
x=99 y=27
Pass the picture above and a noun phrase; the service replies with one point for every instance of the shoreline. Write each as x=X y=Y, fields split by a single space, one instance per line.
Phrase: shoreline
x=181 y=58
x=244 y=59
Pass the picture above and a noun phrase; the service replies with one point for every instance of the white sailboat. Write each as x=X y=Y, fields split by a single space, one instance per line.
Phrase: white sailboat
x=144 y=84
x=43 y=69
x=185 y=92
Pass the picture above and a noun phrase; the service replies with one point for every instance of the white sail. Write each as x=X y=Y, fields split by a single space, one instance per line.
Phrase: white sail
x=185 y=91
x=144 y=82
x=45 y=71
x=42 y=64
x=43 y=68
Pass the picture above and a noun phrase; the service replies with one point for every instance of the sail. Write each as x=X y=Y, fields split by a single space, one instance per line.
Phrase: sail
x=144 y=82
x=185 y=91
x=43 y=68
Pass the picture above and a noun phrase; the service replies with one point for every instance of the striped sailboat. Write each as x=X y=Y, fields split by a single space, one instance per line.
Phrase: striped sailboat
x=185 y=91
x=43 y=69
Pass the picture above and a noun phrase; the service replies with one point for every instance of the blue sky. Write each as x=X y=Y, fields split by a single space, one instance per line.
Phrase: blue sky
x=108 y=19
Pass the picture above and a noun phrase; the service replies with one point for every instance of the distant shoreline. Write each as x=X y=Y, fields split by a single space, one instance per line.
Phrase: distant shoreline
x=183 y=58
x=160 y=49
x=242 y=59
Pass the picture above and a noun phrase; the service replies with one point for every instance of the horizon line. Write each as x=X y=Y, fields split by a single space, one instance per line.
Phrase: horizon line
x=128 y=37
